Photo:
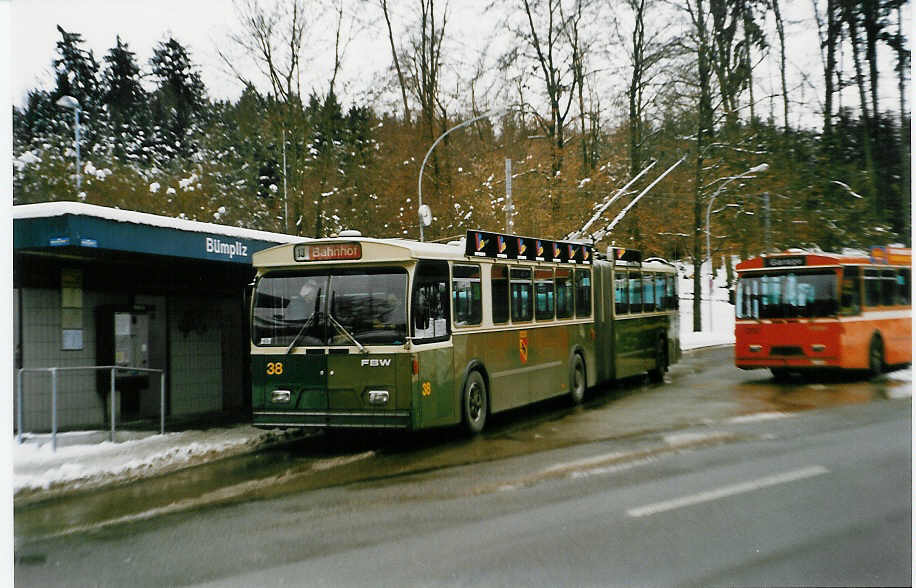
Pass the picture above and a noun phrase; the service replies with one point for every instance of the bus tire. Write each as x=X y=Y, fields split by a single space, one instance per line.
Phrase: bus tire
x=876 y=357
x=657 y=374
x=780 y=374
x=474 y=403
x=577 y=379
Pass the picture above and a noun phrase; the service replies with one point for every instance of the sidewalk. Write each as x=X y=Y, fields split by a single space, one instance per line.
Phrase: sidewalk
x=88 y=460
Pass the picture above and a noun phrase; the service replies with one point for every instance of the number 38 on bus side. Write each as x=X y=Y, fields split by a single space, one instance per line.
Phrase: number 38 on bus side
x=359 y=332
x=800 y=311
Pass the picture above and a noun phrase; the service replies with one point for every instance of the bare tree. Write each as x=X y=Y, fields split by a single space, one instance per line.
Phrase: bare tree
x=402 y=81
x=426 y=64
x=703 y=42
x=646 y=49
x=546 y=36
x=271 y=36
x=829 y=34
x=781 y=33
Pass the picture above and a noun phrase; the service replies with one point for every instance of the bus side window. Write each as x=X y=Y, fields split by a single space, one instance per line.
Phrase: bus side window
x=903 y=287
x=543 y=294
x=872 y=287
x=849 y=296
x=888 y=287
x=671 y=289
x=661 y=301
x=583 y=293
x=466 y=294
x=648 y=293
x=621 y=300
x=520 y=292
x=430 y=305
x=635 y=292
x=499 y=289
x=564 y=293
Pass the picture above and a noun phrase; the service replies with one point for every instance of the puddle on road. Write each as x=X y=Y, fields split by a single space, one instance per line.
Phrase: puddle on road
x=701 y=389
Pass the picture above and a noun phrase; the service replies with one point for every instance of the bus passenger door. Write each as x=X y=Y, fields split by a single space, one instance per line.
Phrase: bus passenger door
x=431 y=331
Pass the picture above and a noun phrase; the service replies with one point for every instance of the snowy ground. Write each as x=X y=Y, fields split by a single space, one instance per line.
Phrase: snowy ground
x=88 y=460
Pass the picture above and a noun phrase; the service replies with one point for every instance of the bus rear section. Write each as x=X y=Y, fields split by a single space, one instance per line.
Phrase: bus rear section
x=798 y=312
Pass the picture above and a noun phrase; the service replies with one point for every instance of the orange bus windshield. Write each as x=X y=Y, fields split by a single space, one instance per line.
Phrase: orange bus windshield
x=787 y=294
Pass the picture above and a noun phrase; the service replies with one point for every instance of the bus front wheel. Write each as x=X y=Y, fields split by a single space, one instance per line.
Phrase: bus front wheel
x=474 y=403
x=876 y=357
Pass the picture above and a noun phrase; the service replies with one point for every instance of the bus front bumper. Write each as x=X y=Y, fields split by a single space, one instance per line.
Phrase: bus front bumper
x=797 y=363
x=331 y=419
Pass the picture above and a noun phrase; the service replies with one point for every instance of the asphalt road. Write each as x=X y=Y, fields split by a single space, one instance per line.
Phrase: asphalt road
x=820 y=497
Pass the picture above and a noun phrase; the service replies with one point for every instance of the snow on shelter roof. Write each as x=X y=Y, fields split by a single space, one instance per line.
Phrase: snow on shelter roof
x=52 y=209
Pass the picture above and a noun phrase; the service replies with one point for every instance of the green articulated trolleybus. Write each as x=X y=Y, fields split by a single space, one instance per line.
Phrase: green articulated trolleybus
x=391 y=333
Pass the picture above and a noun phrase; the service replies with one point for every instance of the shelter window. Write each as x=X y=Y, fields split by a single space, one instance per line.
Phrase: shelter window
x=564 y=283
x=520 y=292
x=543 y=294
x=466 y=295
x=583 y=293
x=499 y=289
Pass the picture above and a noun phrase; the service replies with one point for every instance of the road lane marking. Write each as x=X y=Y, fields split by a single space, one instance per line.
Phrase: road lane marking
x=774 y=480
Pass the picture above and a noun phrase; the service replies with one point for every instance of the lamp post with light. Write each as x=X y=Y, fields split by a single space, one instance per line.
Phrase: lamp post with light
x=424 y=212
x=71 y=102
x=742 y=176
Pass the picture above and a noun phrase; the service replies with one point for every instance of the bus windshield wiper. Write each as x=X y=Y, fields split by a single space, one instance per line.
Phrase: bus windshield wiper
x=308 y=322
x=346 y=333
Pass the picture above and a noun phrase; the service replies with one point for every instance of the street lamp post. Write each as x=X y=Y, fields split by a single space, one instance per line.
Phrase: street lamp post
x=71 y=102
x=745 y=175
x=433 y=146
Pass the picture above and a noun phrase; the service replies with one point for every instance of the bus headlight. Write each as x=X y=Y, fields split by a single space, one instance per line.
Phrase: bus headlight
x=378 y=397
x=280 y=396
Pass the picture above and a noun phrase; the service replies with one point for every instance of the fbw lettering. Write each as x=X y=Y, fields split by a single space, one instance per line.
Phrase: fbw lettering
x=230 y=249
x=375 y=362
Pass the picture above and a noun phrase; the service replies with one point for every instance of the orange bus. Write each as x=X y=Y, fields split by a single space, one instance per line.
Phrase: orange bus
x=799 y=310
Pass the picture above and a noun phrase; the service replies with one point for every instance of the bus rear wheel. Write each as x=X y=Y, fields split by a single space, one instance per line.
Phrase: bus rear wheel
x=657 y=374
x=876 y=357
x=474 y=403
x=577 y=379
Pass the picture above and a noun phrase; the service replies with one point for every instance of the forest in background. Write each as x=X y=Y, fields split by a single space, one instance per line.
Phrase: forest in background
x=587 y=94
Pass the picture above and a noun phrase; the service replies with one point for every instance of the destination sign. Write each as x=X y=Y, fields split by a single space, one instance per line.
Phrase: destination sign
x=890 y=255
x=327 y=251
x=502 y=246
x=793 y=261
x=623 y=254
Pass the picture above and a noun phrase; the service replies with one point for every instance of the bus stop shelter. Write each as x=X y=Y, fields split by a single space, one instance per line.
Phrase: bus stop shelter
x=96 y=286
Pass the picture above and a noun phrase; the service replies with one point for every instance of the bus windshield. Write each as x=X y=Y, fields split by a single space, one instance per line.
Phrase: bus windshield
x=293 y=309
x=787 y=295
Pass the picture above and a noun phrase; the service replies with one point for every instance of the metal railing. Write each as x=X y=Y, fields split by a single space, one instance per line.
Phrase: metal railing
x=54 y=370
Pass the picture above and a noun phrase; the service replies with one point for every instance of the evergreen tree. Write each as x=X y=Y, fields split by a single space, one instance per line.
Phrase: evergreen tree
x=179 y=99
x=124 y=98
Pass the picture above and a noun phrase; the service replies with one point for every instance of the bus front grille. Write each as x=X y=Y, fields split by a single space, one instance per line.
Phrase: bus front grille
x=787 y=350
